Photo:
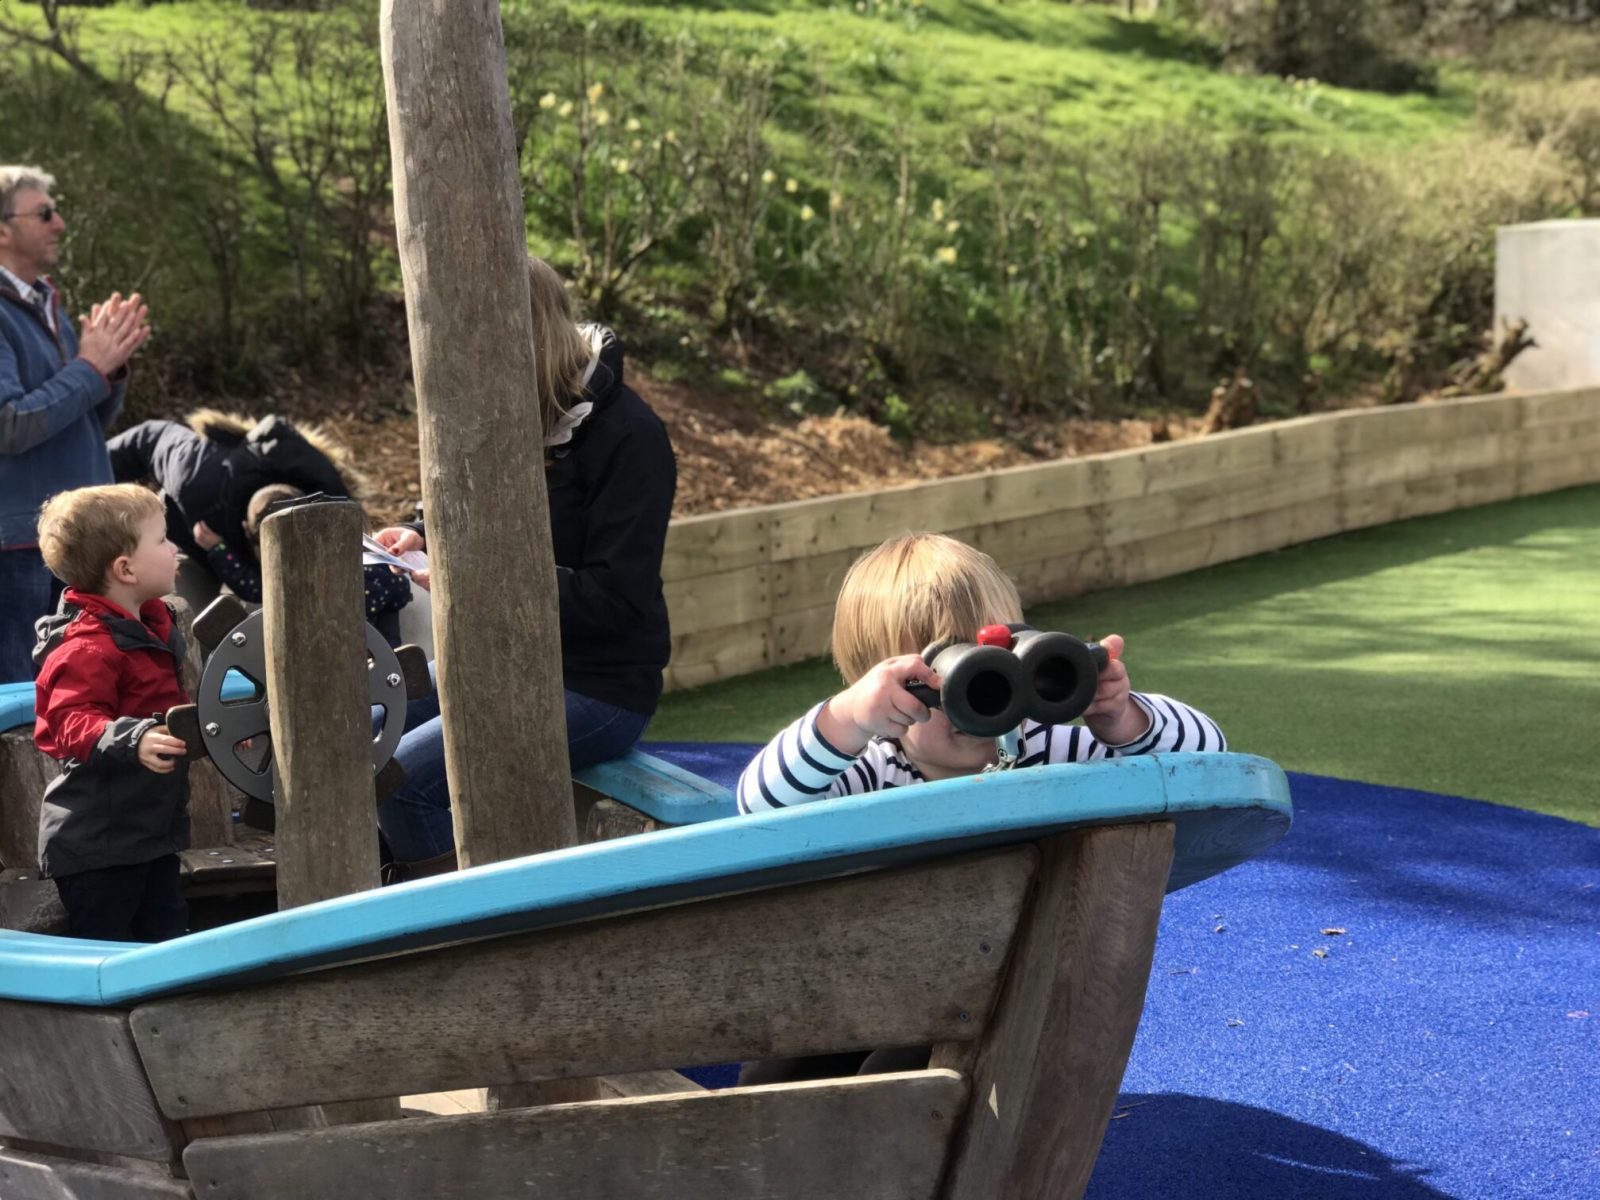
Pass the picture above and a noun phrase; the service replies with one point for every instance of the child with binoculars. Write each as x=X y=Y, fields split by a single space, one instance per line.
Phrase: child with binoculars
x=922 y=590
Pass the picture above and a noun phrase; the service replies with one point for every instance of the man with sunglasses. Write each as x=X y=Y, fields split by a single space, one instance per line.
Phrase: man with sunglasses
x=60 y=390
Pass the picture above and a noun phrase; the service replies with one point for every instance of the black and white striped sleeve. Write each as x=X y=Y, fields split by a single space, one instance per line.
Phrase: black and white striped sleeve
x=795 y=767
x=1173 y=726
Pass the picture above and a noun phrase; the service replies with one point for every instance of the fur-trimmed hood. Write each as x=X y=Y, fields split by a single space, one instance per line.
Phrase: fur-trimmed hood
x=231 y=428
x=209 y=469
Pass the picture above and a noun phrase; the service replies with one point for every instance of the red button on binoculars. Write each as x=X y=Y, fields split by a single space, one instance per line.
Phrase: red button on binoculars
x=995 y=635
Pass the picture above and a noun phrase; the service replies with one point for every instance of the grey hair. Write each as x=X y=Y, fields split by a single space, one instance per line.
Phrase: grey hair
x=14 y=179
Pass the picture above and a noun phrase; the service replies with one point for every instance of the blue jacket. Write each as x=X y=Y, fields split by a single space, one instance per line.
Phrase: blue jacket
x=54 y=411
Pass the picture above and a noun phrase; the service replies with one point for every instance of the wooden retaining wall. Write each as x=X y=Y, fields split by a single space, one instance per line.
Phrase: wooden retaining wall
x=755 y=588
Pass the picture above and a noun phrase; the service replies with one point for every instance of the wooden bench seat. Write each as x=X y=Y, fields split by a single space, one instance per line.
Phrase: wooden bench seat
x=663 y=792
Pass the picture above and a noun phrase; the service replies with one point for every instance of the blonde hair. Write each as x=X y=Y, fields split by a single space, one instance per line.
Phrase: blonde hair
x=84 y=531
x=912 y=590
x=561 y=351
x=263 y=498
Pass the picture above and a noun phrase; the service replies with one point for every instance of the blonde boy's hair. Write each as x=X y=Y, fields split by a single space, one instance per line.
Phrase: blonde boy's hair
x=84 y=531
x=912 y=590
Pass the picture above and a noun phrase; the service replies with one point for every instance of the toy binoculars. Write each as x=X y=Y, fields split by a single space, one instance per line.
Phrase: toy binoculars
x=1012 y=672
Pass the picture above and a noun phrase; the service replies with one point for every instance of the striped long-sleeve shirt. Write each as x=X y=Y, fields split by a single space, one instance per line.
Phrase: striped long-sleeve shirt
x=799 y=766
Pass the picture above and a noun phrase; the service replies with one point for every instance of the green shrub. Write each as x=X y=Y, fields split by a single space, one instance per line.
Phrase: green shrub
x=800 y=394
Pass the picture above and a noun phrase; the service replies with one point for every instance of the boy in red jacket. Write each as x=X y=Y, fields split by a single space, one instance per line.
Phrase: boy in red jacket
x=114 y=820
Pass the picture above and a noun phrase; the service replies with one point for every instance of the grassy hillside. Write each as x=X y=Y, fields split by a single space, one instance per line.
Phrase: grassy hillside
x=942 y=214
x=946 y=66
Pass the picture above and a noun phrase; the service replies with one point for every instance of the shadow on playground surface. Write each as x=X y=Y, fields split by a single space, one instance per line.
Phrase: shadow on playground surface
x=1249 y=1152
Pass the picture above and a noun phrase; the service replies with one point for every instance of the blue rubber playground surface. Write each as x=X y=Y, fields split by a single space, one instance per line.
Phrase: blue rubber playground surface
x=1401 y=1000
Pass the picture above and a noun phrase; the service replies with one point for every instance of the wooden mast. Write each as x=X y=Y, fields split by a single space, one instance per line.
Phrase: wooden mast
x=463 y=253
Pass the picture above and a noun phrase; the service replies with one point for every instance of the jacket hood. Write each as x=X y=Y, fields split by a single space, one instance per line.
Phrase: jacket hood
x=607 y=377
x=233 y=429
x=602 y=380
x=82 y=614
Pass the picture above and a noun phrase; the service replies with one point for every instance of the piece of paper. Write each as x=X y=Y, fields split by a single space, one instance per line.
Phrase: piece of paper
x=410 y=561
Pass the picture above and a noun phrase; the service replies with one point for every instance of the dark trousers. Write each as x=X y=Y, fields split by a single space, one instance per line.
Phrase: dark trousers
x=137 y=903
x=27 y=592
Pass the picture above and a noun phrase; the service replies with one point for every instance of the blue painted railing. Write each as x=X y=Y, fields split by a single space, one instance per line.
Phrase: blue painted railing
x=1226 y=808
x=652 y=785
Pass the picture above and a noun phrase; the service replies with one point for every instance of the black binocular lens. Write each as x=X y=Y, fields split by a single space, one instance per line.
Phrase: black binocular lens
x=989 y=693
x=1055 y=680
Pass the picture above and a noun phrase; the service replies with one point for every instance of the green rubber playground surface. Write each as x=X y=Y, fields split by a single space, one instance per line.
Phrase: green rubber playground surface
x=1458 y=653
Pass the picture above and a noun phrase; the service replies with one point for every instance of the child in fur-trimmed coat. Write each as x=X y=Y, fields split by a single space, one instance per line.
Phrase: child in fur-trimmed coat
x=218 y=475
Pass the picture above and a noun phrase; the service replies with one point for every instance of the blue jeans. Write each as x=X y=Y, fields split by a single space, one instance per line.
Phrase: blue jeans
x=27 y=592
x=415 y=819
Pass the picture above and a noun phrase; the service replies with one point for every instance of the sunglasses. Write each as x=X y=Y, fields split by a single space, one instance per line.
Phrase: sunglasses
x=45 y=215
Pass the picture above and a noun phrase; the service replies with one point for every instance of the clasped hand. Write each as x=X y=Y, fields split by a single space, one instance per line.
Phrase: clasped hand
x=113 y=331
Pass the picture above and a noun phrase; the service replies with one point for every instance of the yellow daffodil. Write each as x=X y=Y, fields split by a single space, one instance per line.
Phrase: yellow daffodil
x=946 y=255
x=548 y=100
x=596 y=90
x=565 y=110
x=769 y=177
x=791 y=186
x=807 y=212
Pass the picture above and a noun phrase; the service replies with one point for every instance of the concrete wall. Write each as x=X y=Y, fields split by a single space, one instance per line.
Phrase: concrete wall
x=1548 y=273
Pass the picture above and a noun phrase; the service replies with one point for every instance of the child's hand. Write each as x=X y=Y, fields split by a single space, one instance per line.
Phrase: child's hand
x=876 y=705
x=159 y=750
x=205 y=537
x=1113 y=717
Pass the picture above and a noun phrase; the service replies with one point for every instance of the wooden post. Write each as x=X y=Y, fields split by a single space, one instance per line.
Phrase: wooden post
x=463 y=252
x=314 y=624
x=321 y=721
x=1049 y=1064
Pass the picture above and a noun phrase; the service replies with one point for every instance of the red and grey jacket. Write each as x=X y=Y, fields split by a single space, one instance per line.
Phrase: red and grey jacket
x=106 y=677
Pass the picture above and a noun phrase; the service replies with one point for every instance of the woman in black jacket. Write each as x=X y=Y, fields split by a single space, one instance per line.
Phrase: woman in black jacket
x=611 y=476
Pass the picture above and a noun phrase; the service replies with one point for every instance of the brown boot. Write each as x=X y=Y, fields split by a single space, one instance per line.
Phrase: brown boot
x=439 y=864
